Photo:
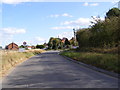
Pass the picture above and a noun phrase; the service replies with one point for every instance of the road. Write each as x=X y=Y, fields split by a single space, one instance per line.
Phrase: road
x=50 y=70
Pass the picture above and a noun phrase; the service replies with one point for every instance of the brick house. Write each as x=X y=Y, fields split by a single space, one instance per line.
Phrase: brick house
x=12 y=46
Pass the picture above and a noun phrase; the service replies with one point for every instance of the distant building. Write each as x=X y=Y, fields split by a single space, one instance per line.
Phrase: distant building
x=30 y=47
x=63 y=40
x=12 y=46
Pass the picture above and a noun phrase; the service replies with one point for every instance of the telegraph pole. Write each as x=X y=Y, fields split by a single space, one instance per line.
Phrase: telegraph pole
x=74 y=35
x=119 y=4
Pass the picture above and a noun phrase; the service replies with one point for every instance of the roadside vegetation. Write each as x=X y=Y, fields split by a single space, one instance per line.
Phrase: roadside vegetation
x=10 y=59
x=105 y=61
x=103 y=33
x=99 y=45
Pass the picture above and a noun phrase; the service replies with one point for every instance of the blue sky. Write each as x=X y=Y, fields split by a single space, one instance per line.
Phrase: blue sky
x=36 y=22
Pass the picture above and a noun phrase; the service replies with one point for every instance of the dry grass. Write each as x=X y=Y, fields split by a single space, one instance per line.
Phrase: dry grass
x=99 y=50
x=105 y=61
x=10 y=59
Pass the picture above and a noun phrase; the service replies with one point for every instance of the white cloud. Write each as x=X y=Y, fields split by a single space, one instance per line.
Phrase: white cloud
x=66 y=15
x=64 y=27
x=19 y=1
x=38 y=40
x=60 y=15
x=94 y=18
x=85 y=4
x=54 y=16
x=90 y=4
x=68 y=35
x=94 y=4
x=13 y=31
x=7 y=34
x=79 y=21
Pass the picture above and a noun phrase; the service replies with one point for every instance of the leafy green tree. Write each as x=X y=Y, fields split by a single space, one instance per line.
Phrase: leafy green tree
x=50 y=44
x=67 y=42
x=114 y=12
x=21 y=46
x=54 y=43
x=0 y=47
x=40 y=46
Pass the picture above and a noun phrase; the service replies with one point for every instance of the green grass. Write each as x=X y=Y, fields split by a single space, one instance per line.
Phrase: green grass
x=105 y=61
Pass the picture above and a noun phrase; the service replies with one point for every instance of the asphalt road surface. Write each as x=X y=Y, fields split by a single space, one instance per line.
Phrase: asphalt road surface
x=50 y=70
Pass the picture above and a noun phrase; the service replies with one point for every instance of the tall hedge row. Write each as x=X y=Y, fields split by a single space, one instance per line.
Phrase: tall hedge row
x=102 y=34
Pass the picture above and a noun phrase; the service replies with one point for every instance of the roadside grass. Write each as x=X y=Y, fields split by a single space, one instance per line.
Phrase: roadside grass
x=99 y=50
x=10 y=59
x=101 y=60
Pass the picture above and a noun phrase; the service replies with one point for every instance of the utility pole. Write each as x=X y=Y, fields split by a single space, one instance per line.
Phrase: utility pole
x=74 y=35
x=119 y=4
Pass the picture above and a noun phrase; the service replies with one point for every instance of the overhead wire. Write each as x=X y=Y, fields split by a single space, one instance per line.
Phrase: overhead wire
x=107 y=9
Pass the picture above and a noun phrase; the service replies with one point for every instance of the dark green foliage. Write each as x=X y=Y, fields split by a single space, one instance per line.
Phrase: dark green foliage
x=21 y=46
x=83 y=37
x=114 y=12
x=40 y=46
x=73 y=42
x=55 y=43
x=102 y=34
x=0 y=47
x=66 y=43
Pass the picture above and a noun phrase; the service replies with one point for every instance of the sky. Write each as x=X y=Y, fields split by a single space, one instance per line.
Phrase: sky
x=36 y=22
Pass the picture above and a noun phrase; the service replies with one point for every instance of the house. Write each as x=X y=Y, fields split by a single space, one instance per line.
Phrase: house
x=63 y=40
x=12 y=46
x=30 y=47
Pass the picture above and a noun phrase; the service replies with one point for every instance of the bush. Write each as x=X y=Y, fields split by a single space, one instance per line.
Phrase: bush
x=40 y=46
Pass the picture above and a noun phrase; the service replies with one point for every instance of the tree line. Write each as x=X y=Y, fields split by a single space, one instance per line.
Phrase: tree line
x=57 y=43
x=54 y=43
x=103 y=33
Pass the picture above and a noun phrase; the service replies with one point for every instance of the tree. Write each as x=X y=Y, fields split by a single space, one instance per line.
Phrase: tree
x=54 y=43
x=40 y=46
x=104 y=33
x=21 y=46
x=67 y=42
x=0 y=47
x=50 y=44
x=114 y=12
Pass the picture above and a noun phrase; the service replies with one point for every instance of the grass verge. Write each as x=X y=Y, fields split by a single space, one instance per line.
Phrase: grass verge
x=12 y=58
x=101 y=60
